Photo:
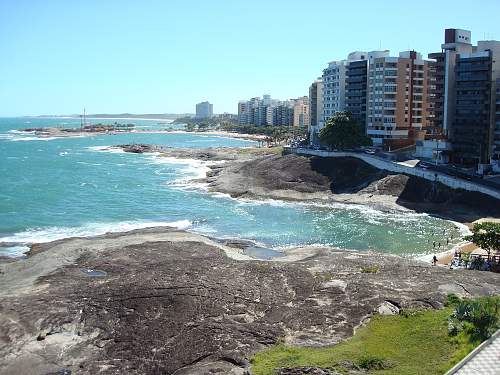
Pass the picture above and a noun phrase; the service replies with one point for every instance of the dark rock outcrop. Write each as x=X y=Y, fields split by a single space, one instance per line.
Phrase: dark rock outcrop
x=270 y=176
x=173 y=302
x=138 y=148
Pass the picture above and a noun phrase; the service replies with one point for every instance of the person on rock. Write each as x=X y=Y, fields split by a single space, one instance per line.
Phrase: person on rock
x=434 y=260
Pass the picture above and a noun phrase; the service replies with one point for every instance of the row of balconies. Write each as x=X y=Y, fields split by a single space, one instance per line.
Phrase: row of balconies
x=465 y=67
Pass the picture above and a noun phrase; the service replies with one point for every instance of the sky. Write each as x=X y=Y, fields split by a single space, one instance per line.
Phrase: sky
x=117 y=56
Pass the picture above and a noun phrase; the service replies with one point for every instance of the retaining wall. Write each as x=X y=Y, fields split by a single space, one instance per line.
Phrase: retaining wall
x=451 y=181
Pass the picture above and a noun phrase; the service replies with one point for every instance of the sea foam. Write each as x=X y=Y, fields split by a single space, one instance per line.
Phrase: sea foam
x=48 y=234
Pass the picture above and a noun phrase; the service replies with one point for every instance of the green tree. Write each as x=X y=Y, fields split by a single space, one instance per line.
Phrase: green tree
x=203 y=126
x=342 y=131
x=486 y=235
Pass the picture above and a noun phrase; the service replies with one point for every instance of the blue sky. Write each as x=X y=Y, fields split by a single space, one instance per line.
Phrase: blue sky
x=164 y=56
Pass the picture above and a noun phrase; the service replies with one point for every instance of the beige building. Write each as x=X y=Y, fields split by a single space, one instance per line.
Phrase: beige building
x=301 y=112
x=398 y=112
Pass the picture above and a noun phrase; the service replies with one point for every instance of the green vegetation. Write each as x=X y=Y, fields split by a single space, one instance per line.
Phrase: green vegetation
x=274 y=134
x=487 y=236
x=342 y=132
x=472 y=322
x=373 y=269
x=200 y=124
x=278 y=150
x=478 y=318
x=415 y=342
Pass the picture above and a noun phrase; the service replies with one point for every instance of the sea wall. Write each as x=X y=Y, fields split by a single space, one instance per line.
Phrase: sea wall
x=397 y=167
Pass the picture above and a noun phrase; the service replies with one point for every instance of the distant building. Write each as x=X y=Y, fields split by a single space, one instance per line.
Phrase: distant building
x=301 y=112
x=266 y=111
x=315 y=109
x=244 y=110
x=204 y=110
x=315 y=102
x=283 y=114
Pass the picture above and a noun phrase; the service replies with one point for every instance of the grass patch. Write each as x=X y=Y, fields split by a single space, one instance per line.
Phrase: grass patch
x=261 y=150
x=373 y=269
x=389 y=345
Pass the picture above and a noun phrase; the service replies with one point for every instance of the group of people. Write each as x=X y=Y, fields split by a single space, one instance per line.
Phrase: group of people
x=438 y=245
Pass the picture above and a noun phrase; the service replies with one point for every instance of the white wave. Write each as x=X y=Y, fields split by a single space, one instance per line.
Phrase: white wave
x=48 y=234
x=193 y=168
x=17 y=139
x=110 y=149
x=15 y=131
x=128 y=118
x=463 y=229
x=14 y=251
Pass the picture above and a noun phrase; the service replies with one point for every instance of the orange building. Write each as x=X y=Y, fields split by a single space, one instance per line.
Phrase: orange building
x=398 y=110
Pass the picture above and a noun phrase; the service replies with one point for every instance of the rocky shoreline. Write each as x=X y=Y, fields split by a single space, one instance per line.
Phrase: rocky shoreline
x=76 y=132
x=263 y=173
x=161 y=300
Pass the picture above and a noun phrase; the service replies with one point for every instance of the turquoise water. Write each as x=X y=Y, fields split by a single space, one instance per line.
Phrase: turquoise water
x=55 y=188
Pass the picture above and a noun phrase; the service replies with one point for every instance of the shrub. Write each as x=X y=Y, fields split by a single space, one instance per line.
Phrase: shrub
x=452 y=300
x=478 y=318
x=374 y=363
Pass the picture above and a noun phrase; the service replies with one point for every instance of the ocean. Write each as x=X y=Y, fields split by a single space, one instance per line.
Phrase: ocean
x=53 y=188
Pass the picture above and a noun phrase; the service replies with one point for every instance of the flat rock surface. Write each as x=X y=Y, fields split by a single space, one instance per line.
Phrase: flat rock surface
x=165 y=301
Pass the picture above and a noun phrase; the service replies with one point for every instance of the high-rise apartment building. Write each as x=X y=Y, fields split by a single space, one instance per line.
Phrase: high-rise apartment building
x=442 y=96
x=495 y=158
x=315 y=102
x=333 y=89
x=397 y=110
x=474 y=126
x=355 y=90
x=283 y=114
x=301 y=112
x=356 y=83
x=244 y=112
x=266 y=111
x=315 y=109
x=204 y=110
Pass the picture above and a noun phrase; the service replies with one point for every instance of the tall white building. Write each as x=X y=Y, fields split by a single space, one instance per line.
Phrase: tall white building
x=333 y=89
x=334 y=84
